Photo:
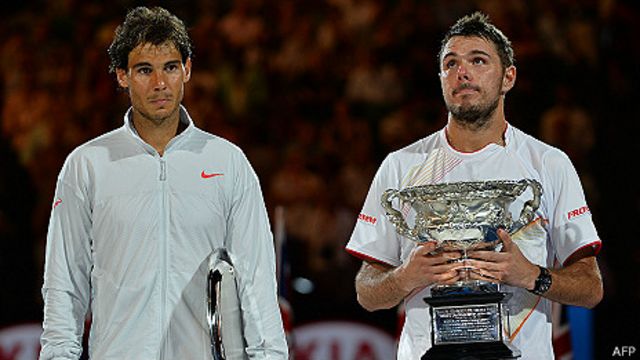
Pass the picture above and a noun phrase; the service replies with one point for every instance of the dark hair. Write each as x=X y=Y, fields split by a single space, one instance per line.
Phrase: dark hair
x=478 y=24
x=147 y=25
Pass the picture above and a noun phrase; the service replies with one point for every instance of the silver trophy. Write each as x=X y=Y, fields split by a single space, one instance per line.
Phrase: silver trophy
x=224 y=316
x=464 y=216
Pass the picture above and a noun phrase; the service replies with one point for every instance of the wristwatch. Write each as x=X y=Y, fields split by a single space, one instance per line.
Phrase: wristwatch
x=543 y=282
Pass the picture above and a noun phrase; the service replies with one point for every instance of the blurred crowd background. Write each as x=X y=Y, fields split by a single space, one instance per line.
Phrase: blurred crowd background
x=317 y=92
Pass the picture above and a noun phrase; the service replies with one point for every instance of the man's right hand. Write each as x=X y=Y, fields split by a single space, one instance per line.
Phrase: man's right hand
x=423 y=267
x=382 y=286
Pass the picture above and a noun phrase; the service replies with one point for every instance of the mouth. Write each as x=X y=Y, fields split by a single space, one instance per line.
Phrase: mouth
x=160 y=102
x=466 y=89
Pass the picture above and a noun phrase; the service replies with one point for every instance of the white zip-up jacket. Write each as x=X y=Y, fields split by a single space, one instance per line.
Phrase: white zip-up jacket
x=129 y=238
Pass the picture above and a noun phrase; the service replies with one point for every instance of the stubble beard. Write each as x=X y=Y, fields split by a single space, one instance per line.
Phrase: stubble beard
x=473 y=117
x=158 y=120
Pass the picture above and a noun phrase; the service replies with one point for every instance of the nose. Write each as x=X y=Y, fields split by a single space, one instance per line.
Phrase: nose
x=159 y=81
x=463 y=74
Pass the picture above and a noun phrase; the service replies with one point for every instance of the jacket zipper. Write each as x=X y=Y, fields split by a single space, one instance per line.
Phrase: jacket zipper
x=164 y=246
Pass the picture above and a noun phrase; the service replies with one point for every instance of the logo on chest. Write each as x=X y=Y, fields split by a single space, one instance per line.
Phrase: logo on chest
x=205 y=175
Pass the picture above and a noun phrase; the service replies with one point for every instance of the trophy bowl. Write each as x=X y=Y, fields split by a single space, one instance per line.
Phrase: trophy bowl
x=462 y=216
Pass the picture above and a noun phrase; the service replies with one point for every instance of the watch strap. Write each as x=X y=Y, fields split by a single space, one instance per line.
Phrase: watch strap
x=543 y=282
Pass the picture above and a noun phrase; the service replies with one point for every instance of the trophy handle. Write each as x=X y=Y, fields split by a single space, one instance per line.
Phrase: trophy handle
x=395 y=216
x=530 y=206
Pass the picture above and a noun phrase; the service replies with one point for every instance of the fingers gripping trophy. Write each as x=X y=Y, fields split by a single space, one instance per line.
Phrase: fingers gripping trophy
x=468 y=316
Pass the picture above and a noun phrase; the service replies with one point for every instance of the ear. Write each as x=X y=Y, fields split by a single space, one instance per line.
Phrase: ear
x=121 y=76
x=509 y=79
x=187 y=70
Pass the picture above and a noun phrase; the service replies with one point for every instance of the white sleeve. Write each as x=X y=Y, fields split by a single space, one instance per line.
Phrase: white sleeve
x=570 y=223
x=66 y=290
x=250 y=245
x=374 y=237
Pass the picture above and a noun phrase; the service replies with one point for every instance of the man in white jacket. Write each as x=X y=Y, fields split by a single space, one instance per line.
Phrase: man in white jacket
x=138 y=211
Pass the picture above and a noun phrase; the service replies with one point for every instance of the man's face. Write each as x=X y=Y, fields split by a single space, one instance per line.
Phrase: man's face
x=155 y=79
x=473 y=80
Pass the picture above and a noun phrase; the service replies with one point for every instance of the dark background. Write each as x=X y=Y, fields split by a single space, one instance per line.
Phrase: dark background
x=317 y=93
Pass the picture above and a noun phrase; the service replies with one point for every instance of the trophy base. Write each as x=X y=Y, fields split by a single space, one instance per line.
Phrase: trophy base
x=465 y=289
x=468 y=325
x=448 y=298
x=496 y=350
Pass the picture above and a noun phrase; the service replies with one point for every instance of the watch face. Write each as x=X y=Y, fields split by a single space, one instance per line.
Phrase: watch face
x=543 y=282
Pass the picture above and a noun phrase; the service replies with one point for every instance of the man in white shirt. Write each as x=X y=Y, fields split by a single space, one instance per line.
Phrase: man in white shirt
x=476 y=71
x=138 y=211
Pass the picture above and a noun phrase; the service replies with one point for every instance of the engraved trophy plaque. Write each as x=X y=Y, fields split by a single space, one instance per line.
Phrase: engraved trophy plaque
x=466 y=317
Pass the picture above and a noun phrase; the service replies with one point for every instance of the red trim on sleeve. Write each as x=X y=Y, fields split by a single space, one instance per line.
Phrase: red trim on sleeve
x=365 y=257
x=596 y=245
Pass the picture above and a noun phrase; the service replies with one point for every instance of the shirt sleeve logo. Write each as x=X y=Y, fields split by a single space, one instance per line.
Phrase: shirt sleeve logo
x=367 y=219
x=577 y=212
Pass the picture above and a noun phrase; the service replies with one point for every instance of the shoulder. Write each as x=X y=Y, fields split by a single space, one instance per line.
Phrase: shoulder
x=550 y=165
x=418 y=148
x=110 y=138
x=397 y=165
x=422 y=145
x=224 y=153
x=90 y=158
x=97 y=147
x=212 y=143
x=537 y=151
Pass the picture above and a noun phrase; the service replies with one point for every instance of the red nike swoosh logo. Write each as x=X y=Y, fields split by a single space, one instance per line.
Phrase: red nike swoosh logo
x=206 y=176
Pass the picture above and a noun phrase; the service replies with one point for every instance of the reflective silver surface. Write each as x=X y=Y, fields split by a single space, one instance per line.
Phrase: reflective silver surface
x=462 y=215
x=224 y=316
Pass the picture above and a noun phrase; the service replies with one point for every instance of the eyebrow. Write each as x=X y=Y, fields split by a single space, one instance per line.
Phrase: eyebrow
x=144 y=63
x=473 y=52
x=140 y=64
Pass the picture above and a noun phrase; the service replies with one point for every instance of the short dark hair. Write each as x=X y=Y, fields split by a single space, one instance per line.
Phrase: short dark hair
x=147 y=25
x=478 y=24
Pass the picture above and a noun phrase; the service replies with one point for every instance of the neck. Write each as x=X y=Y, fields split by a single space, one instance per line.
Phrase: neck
x=157 y=133
x=465 y=138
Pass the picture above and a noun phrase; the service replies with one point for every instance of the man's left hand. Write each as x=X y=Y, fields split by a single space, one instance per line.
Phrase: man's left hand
x=509 y=266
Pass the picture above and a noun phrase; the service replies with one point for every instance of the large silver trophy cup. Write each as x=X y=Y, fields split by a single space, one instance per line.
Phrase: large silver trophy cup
x=466 y=317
